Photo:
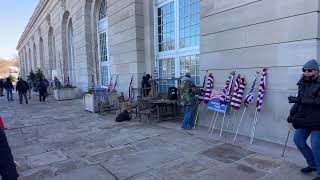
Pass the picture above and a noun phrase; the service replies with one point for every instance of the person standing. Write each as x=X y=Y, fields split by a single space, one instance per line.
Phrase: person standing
x=9 y=88
x=22 y=89
x=8 y=170
x=29 y=81
x=305 y=116
x=189 y=100
x=42 y=86
x=1 y=87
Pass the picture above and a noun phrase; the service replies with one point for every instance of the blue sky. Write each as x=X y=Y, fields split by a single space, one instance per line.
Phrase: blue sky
x=14 y=16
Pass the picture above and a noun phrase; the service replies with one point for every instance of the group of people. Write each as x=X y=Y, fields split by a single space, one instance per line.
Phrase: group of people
x=304 y=114
x=24 y=89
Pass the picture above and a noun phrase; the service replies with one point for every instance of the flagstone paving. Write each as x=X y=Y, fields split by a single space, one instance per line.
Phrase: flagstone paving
x=60 y=141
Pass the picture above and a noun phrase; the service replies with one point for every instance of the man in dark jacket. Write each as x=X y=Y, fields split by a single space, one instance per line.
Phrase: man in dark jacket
x=9 y=88
x=42 y=89
x=8 y=169
x=305 y=116
x=22 y=89
x=1 y=87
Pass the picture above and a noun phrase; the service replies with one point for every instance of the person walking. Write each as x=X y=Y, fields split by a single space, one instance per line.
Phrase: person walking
x=188 y=100
x=1 y=87
x=42 y=86
x=8 y=170
x=29 y=81
x=9 y=88
x=22 y=89
x=304 y=116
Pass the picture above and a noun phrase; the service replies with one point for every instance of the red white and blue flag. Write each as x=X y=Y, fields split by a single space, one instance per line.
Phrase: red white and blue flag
x=262 y=89
x=209 y=88
x=226 y=92
x=249 y=97
x=236 y=100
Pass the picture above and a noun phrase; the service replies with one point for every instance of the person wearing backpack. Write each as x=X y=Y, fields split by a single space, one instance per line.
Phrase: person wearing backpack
x=42 y=86
x=22 y=89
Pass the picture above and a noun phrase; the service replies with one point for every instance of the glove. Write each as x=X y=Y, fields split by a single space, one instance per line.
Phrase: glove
x=307 y=100
x=293 y=99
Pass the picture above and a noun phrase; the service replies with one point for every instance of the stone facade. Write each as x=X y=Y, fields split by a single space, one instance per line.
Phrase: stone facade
x=236 y=35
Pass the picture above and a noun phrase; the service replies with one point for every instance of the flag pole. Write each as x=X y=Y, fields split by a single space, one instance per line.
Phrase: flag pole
x=197 y=114
x=211 y=122
x=224 y=118
x=244 y=111
x=254 y=126
x=286 y=143
x=215 y=120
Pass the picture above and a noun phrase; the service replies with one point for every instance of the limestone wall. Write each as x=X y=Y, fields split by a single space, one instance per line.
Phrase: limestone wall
x=247 y=35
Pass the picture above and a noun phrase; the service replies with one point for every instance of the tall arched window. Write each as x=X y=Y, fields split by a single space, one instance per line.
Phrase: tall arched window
x=41 y=54
x=71 y=65
x=103 y=43
x=35 y=61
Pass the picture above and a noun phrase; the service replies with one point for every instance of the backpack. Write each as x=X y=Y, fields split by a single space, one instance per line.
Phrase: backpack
x=124 y=116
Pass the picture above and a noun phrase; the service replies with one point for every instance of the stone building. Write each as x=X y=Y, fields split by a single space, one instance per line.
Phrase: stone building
x=90 y=41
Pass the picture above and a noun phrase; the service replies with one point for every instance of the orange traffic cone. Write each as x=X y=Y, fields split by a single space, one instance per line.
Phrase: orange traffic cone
x=2 y=124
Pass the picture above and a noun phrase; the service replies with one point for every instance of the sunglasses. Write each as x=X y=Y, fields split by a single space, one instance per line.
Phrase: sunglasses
x=307 y=70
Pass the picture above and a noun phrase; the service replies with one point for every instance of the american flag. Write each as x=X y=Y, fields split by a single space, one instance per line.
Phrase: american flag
x=249 y=97
x=262 y=89
x=130 y=89
x=236 y=100
x=215 y=94
x=209 y=88
x=235 y=92
x=225 y=97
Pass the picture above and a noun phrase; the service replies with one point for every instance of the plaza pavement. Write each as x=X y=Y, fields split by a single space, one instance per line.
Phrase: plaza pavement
x=60 y=141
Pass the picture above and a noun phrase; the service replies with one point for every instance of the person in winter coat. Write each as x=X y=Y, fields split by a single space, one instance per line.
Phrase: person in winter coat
x=305 y=116
x=42 y=86
x=22 y=89
x=9 y=88
x=8 y=169
x=29 y=81
x=189 y=100
x=1 y=87
x=146 y=85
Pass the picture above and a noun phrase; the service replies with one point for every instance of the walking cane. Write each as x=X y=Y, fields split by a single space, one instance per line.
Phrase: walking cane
x=285 y=144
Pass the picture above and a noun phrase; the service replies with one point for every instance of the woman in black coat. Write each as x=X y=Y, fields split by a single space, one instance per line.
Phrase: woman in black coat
x=305 y=116
x=8 y=169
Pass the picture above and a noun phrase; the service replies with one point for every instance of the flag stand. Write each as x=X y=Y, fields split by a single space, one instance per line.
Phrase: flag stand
x=254 y=126
x=215 y=120
x=224 y=118
x=232 y=118
x=286 y=143
x=240 y=122
x=211 y=122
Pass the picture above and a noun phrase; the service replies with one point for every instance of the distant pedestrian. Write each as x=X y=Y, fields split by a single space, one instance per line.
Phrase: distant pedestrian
x=8 y=170
x=22 y=89
x=30 y=84
x=9 y=88
x=42 y=86
x=1 y=87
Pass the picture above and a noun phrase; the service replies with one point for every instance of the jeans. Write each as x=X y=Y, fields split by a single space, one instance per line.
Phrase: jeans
x=9 y=94
x=188 y=117
x=312 y=155
x=21 y=96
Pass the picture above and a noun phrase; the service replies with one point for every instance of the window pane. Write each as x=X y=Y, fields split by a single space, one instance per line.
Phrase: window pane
x=166 y=71
x=190 y=64
x=189 y=23
x=166 y=28
x=103 y=47
x=102 y=10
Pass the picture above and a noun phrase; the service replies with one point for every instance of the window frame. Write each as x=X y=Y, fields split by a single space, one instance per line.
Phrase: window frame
x=177 y=52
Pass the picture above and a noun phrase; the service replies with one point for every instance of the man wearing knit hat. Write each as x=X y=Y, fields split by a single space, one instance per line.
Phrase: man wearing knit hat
x=305 y=117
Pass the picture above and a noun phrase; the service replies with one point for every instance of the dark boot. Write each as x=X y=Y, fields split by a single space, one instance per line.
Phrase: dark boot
x=308 y=170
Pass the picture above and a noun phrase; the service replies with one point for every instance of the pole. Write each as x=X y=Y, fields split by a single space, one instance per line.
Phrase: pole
x=286 y=143
x=244 y=111
x=254 y=126
x=197 y=114
x=215 y=120
x=224 y=118
x=211 y=122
